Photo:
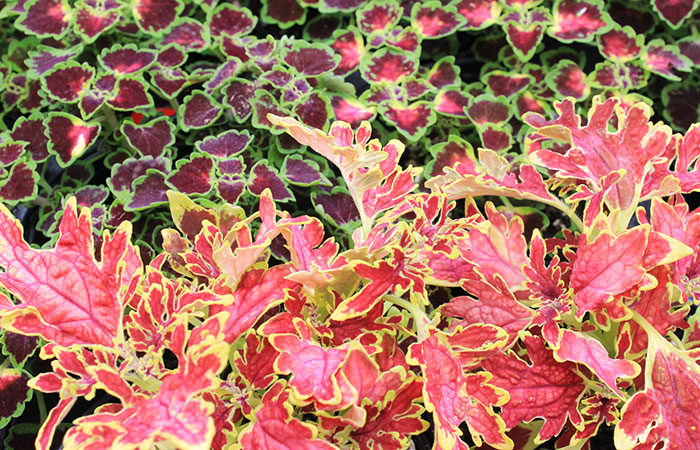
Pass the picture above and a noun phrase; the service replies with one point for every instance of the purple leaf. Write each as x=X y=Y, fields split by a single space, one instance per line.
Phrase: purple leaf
x=151 y=138
x=388 y=65
x=20 y=184
x=231 y=166
x=690 y=48
x=131 y=94
x=331 y=6
x=193 y=176
x=411 y=121
x=198 y=110
x=225 y=72
x=69 y=136
x=45 y=18
x=577 y=20
x=444 y=73
x=117 y=214
x=434 y=20
x=10 y=151
x=351 y=110
x=662 y=59
x=171 y=56
x=126 y=59
x=169 y=81
x=188 y=33
x=283 y=13
x=278 y=77
x=264 y=177
x=314 y=111
x=230 y=188
x=680 y=102
x=378 y=16
x=155 y=16
x=321 y=28
x=486 y=109
x=124 y=174
x=45 y=59
x=231 y=20
x=568 y=80
x=93 y=18
x=302 y=172
x=336 y=206
x=239 y=96
x=32 y=131
x=226 y=144
x=14 y=392
x=263 y=104
x=150 y=190
x=495 y=137
x=310 y=59
x=68 y=82
x=674 y=12
x=507 y=84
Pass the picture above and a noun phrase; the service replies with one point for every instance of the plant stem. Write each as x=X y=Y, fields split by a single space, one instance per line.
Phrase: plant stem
x=41 y=403
x=419 y=316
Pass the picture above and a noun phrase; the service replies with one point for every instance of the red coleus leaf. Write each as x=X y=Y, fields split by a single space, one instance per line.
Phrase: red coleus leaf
x=388 y=65
x=189 y=33
x=524 y=30
x=663 y=412
x=595 y=151
x=70 y=137
x=507 y=84
x=433 y=20
x=256 y=364
x=378 y=16
x=349 y=45
x=486 y=109
x=131 y=94
x=309 y=59
x=545 y=388
x=451 y=102
x=577 y=20
x=152 y=138
x=52 y=302
x=68 y=82
x=15 y=392
x=283 y=13
x=126 y=59
x=92 y=17
x=275 y=427
x=226 y=144
x=10 y=151
x=198 y=110
x=45 y=18
x=20 y=184
x=479 y=13
x=411 y=121
x=444 y=73
x=566 y=79
x=674 y=12
x=194 y=175
x=155 y=16
x=232 y=20
x=18 y=347
x=32 y=131
x=351 y=110
x=620 y=44
x=455 y=397
x=264 y=177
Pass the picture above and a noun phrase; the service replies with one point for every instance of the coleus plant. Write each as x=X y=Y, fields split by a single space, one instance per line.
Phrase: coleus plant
x=468 y=316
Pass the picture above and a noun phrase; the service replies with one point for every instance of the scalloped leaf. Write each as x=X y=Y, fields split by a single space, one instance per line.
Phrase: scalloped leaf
x=507 y=84
x=674 y=12
x=479 y=13
x=126 y=59
x=45 y=59
x=568 y=80
x=45 y=18
x=92 y=17
x=411 y=121
x=433 y=20
x=487 y=109
x=65 y=295
x=283 y=13
x=194 y=175
x=620 y=44
x=152 y=138
x=231 y=20
x=198 y=110
x=131 y=94
x=451 y=102
x=149 y=190
x=351 y=110
x=20 y=183
x=525 y=29
x=388 y=65
x=577 y=20
x=663 y=59
x=310 y=59
x=70 y=137
x=67 y=83
x=156 y=16
x=349 y=45
x=188 y=33
x=314 y=110
x=265 y=177
x=15 y=393
x=378 y=15
x=226 y=144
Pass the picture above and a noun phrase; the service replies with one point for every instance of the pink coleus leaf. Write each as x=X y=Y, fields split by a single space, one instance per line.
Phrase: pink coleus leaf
x=275 y=427
x=68 y=82
x=451 y=102
x=52 y=303
x=455 y=397
x=433 y=20
x=577 y=20
x=544 y=388
x=632 y=147
x=351 y=110
x=156 y=16
x=350 y=46
x=70 y=137
x=444 y=73
x=674 y=12
x=620 y=44
x=232 y=20
x=486 y=109
x=661 y=412
x=152 y=138
x=378 y=16
x=388 y=65
x=45 y=18
x=310 y=60
x=92 y=17
x=198 y=110
x=131 y=94
x=256 y=364
x=663 y=59
x=411 y=121
x=479 y=13
x=125 y=59
x=507 y=84
x=567 y=79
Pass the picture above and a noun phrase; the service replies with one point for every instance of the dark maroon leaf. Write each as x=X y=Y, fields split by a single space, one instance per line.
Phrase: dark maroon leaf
x=630 y=13
x=348 y=44
x=171 y=56
x=124 y=174
x=131 y=94
x=263 y=104
x=690 y=48
x=45 y=59
x=239 y=96
x=568 y=80
x=91 y=196
x=33 y=100
x=193 y=176
x=448 y=154
x=434 y=20
x=32 y=131
x=331 y=6
x=351 y=110
x=232 y=20
x=278 y=77
x=46 y=18
x=388 y=65
x=663 y=59
x=93 y=17
x=117 y=214
x=188 y=33
x=444 y=73
x=451 y=102
x=321 y=27
x=682 y=103
x=495 y=137
x=416 y=88
x=226 y=144
x=336 y=206
x=231 y=166
x=486 y=109
x=674 y=12
x=618 y=76
x=478 y=13
x=68 y=82
x=226 y=71
x=314 y=111
x=14 y=392
x=10 y=151
x=378 y=16
x=18 y=346
x=151 y=138
x=230 y=188
x=577 y=20
x=302 y=172
x=284 y=13
x=155 y=16
x=411 y=121
x=198 y=110
x=90 y=103
x=150 y=190
x=169 y=81
x=310 y=59
x=126 y=59
x=264 y=177
x=69 y=136
x=20 y=183
x=507 y=84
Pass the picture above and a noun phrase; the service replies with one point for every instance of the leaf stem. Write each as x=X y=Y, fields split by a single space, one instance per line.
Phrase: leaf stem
x=419 y=316
x=41 y=403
